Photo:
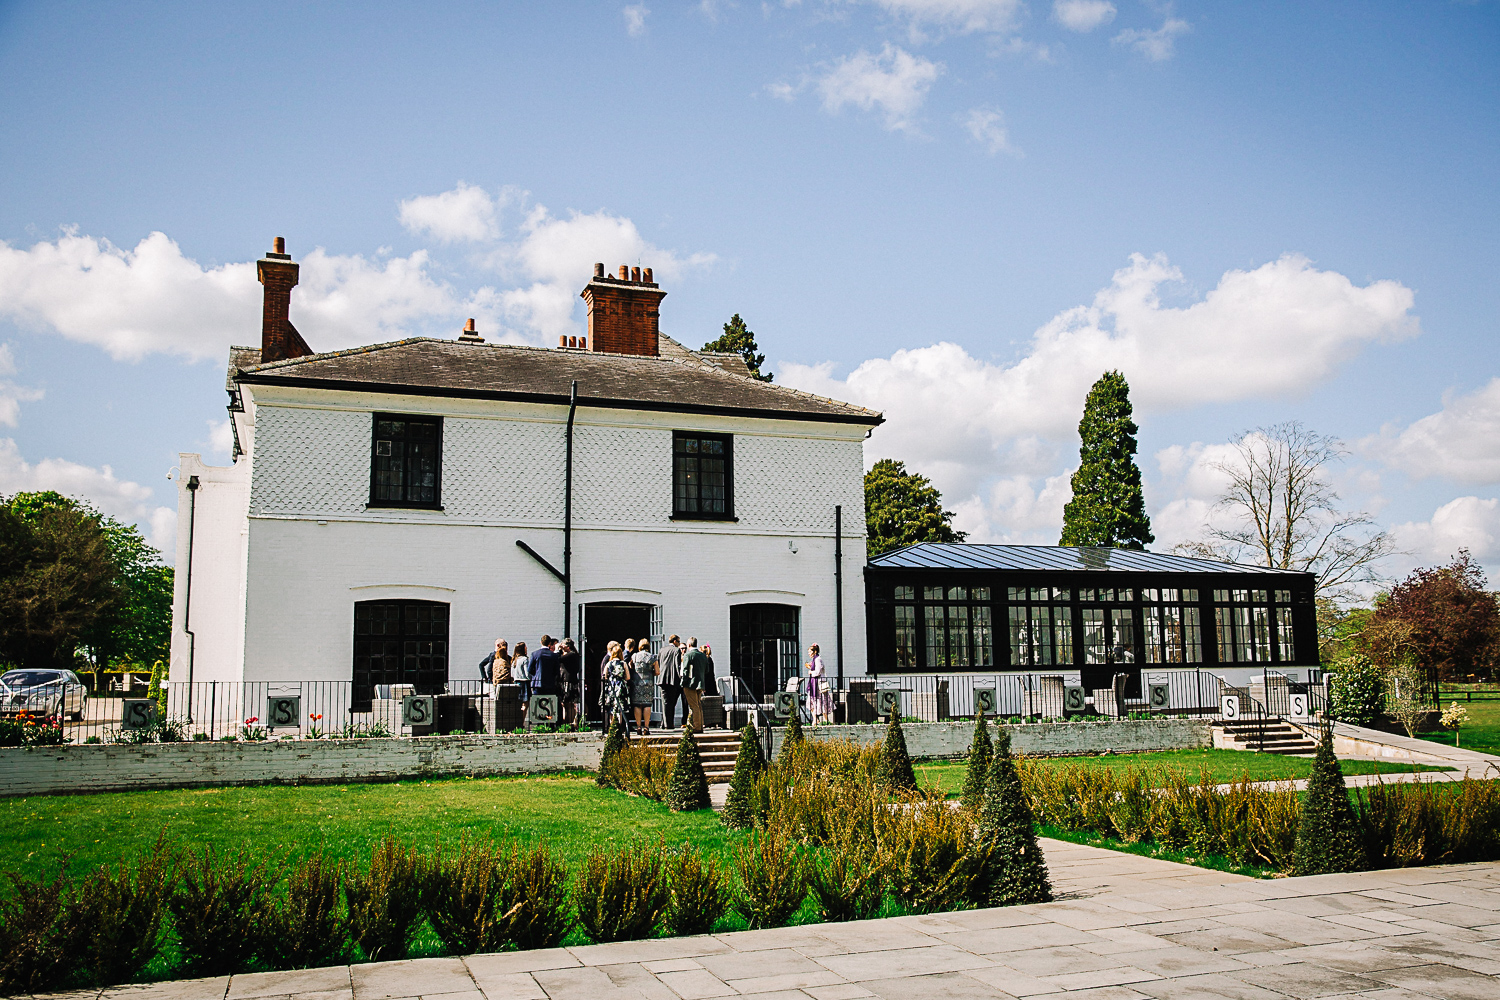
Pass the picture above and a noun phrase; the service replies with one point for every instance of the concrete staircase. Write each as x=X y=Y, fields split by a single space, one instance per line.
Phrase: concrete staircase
x=1280 y=737
x=717 y=747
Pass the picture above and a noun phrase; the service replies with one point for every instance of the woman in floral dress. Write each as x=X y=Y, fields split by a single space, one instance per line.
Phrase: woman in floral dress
x=615 y=698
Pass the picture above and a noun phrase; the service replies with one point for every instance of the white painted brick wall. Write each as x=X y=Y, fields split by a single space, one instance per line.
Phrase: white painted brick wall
x=90 y=768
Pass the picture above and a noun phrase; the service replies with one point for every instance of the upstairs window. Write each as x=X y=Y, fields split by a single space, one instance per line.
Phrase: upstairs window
x=702 y=476
x=406 y=458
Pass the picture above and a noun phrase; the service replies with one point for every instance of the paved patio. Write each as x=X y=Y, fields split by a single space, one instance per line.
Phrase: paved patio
x=1124 y=928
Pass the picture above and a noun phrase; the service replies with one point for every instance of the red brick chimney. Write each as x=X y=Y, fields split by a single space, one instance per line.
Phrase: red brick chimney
x=279 y=339
x=624 y=312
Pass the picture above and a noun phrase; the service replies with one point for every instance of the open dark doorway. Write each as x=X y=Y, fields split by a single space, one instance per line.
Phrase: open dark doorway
x=763 y=645
x=598 y=626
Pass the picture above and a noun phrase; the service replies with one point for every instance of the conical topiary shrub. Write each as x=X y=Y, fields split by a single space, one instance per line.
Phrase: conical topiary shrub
x=1015 y=872
x=794 y=736
x=1328 y=832
x=613 y=744
x=689 y=787
x=739 y=809
x=980 y=752
x=894 y=772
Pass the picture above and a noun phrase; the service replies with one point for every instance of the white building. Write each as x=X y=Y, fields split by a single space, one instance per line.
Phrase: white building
x=391 y=510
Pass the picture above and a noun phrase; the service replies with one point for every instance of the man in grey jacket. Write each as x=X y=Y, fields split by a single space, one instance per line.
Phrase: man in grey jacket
x=694 y=673
x=670 y=659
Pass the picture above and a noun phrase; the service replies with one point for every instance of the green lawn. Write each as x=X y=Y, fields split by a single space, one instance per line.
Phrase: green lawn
x=1483 y=730
x=1223 y=765
x=567 y=811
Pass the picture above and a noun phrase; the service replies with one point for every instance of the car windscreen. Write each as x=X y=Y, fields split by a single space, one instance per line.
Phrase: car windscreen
x=29 y=678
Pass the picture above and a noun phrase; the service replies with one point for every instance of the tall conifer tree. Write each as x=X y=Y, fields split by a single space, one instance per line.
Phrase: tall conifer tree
x=1108 y=508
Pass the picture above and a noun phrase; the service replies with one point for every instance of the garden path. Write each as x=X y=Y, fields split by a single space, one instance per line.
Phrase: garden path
x=1123 y=928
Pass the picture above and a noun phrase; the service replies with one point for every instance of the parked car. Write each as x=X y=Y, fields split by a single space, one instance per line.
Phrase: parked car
x=43 y=692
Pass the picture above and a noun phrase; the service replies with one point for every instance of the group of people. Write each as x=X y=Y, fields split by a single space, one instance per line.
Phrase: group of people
x=631 y=673
x=629 y=676
x=555 y=667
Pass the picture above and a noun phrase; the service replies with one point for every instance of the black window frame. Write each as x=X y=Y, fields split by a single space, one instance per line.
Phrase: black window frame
x=728 y=441
x=420 y=418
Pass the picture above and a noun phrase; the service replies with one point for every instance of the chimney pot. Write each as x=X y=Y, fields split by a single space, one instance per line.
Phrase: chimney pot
x=624 y=314
x=598 y=270
x=470 y=327
x=280 y=244
x=562 y=340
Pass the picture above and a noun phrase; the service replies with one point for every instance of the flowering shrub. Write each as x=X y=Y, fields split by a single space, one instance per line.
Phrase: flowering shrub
x=28 y=730
x=1454 y=716
x=250 y=731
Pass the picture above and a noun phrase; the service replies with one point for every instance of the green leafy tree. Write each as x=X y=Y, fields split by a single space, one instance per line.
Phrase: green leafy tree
x=1016 y=872
x=1328 y=832
x=58 y=584
x=137 y=626
x=738 y=339
x=894 y=772
x=1108 y=508
x=903 y=508
x=980 y=752
x=739 y=804
x=689 y=786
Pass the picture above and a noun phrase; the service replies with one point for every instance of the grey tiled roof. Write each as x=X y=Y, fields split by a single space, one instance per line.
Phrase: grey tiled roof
x=962 y=555
x=240 y=357
x=683 y=383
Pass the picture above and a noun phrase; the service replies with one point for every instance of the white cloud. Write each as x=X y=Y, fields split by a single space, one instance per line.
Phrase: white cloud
x=1017 y=510
x=465 y=214
x=1274 y=331
x=1158 y=44
x=955 y=16
x=1465 y=523
x=555 y=256
x=986 y=126
x=128 y=501
x=1460 y=442
x=221 y=437
x=154 y=299
x=635 y=19
x=1082 y=15
x=12 y=395
x=895 y=81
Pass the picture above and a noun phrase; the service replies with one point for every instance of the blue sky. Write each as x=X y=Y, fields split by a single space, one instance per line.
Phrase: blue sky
x=957 y=211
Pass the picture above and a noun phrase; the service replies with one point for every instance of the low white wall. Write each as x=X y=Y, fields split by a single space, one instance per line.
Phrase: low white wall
x=929 y=740
x=121 y=768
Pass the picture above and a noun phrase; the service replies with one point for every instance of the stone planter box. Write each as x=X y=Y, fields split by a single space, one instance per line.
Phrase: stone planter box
x=121 y=768
x=931 y=740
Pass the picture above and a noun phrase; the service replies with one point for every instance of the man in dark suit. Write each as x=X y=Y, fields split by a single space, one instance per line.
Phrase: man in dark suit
x=545 y=669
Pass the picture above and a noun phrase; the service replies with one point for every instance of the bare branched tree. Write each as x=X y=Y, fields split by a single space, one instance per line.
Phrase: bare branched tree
x=1288 y=513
